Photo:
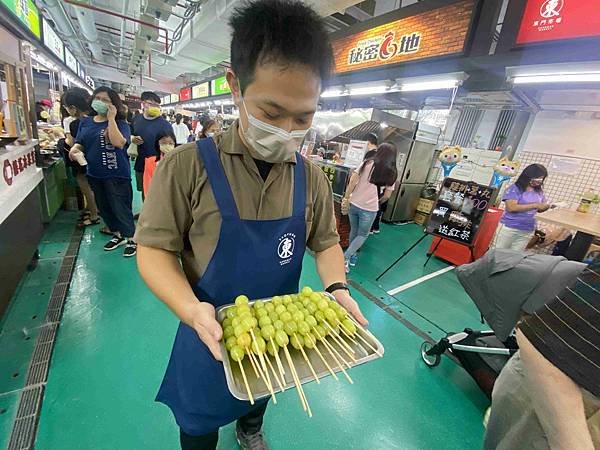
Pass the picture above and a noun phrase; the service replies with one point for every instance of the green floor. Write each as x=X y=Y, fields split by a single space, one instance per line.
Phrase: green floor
x=115 y=338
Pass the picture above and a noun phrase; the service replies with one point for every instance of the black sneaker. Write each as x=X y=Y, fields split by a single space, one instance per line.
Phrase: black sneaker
x=250 y=441
x=115 y=242
x=130 y=249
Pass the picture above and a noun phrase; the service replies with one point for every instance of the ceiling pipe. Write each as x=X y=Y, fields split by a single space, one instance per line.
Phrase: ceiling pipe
x=123 y=24
x=87 y=26
x=124 y=17
x=64 y=25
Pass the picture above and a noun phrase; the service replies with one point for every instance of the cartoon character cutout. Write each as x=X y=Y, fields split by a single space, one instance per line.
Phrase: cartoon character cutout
x=504 y=170
x=450 y=157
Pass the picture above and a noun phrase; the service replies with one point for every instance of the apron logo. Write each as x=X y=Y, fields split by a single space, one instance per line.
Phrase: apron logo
x=285 y=249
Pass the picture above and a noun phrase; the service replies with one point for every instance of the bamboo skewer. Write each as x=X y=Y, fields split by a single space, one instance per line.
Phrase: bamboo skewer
x=274 y=373
x=324 y=360
x=251 y=358
x=337 y=335
x=246 y=383
x=347 y=335
x=308 y=363
x=303 y=399
x=329 y=349
x=277 y=360
x=326 y=342
x=266 y=377
x=336 y=338
x=368 y=344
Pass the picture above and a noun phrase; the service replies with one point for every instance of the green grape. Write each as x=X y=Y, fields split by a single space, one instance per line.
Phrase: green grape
x=303 y=327
x=237 y=353
x=248 y=322
x=281 y=338
x=290 y=327
x=259 y=345
x=243 y=310
x=297 y=316
x=277 y=300
x=311 y=321
x=270 y=307
x=323 y=304
x=295 y=297
x=285 y=316
x=258 y=304
x=320 y=331
x=312 y=308
x=330 y=315
x=299 y=304
x=305 y=311
x=280 y=309
x=306 y=291
x=319 y=316
x=278 y=324
x=230 y=342
x=231 y=312
x=297 y=342
x=349 y=326
x=291 y=308
x=305 y=302
x=272 y=347
x=341 y=314
x=267 y=332
x=235 y=322
x=241 y=300
x=273 y=316
x=264 y=321
x=315 y=297
x=226 y=322
x=228 y=331
x=244 y=340
x=309 y=340
x=261 y=312
x=239 y=330
x=287 y=299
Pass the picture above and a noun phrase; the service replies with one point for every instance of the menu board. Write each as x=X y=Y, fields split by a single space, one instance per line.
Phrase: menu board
x=174 y=98
x=219 y=86
x=185 y=94
x=70 y=60
x=459 y=210
x=27 y=13
x=200 y=90
x=52 y=41
x=356 y=153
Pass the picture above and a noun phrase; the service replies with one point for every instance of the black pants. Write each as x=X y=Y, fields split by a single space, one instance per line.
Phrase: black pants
x=114 y=197
x=377 y=221
x=250 y=423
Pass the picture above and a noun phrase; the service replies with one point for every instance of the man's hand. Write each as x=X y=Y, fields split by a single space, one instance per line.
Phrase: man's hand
x=344 y=298
x=201 y=317
x=137 y=140
x=111 y=113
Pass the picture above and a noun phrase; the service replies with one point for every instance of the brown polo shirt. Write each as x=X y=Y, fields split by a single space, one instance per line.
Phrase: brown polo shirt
x=180 y=213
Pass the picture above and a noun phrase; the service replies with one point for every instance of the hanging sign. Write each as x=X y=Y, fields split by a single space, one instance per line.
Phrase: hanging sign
x=442 y=31
x=549 y=20
x=70 y=60
x=200 y=90
x=459 y=210
x=52 y=41
x=27 y=13
x=185 y=94
x=219 y=86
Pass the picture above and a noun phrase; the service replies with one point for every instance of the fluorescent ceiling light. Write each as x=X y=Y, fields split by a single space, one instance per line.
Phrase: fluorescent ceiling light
x=369 y=90
x=588 y=77
x=429 y=85
x=331 y=93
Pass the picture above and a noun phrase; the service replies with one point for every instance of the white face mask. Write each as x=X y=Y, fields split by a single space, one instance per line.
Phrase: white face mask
x=210 y=134
x=268 y=142
x=166 y=148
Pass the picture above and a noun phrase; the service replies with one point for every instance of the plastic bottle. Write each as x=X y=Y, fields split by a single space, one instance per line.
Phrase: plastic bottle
x=587 y=198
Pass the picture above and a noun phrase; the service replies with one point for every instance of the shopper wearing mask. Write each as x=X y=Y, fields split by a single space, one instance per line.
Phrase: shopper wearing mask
x=211 y=128
x=76 y=101
x=165 y=144
x=362 y=200
x=181 y=130
x=103 y=138
x=224 y=206
x=146 y=127
x=523 y=201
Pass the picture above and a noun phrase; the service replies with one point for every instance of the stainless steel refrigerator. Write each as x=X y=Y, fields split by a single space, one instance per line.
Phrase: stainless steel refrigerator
x=416 y=150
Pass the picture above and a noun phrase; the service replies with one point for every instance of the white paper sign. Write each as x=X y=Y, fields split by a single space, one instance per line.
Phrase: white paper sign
x=356 y=153
x=565 y=166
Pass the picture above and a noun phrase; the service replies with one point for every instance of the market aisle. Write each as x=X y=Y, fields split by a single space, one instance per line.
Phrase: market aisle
x=113 y=346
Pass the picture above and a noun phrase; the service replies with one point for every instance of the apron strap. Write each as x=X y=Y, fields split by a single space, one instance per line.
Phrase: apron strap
x=208 y=153
x=299 y=188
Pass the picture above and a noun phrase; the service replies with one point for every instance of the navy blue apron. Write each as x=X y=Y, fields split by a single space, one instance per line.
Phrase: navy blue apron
x=258 y=258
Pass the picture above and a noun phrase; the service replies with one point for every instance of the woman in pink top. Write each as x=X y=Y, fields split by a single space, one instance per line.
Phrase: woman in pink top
x=377 y=172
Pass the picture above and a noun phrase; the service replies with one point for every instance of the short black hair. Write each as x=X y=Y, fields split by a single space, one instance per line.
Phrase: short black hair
x=149 y=95
x=281 y=31
x=77 y=97
x=159 y=136
x=530 y=172
x=372 y=139
x=114 y=99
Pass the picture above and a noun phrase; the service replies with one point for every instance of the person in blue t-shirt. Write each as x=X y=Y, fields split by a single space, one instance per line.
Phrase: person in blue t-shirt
x=103 y=138
x=146 y=127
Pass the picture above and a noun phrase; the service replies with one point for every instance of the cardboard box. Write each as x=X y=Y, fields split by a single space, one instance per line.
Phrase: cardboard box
x=425 y=206
x=420 y=218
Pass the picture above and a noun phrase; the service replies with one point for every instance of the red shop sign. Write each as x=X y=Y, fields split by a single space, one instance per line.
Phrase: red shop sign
x=11 y=169
x=550 y=20
x=185 y=94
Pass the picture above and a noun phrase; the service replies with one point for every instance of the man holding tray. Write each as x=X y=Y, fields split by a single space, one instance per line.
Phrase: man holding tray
x=239 y=211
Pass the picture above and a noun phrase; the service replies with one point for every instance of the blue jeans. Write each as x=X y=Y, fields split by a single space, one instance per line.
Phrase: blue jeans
x=360 y=225
x=114 y=197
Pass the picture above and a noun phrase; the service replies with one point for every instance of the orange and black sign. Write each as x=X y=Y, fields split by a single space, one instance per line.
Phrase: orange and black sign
x=439 y=32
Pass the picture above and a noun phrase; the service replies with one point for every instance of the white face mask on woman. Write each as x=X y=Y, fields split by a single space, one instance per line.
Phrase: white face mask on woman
x=166 y=148
x=268 y=142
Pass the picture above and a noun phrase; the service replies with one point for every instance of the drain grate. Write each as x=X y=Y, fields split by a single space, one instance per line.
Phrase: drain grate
x=30 y=402
x=40 y=361
x=23 y=433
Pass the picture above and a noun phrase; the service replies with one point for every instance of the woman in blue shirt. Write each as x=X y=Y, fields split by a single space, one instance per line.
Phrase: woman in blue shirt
x=103 y=138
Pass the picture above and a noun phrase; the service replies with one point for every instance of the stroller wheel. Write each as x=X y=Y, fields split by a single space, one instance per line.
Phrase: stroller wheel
x=430 y=360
